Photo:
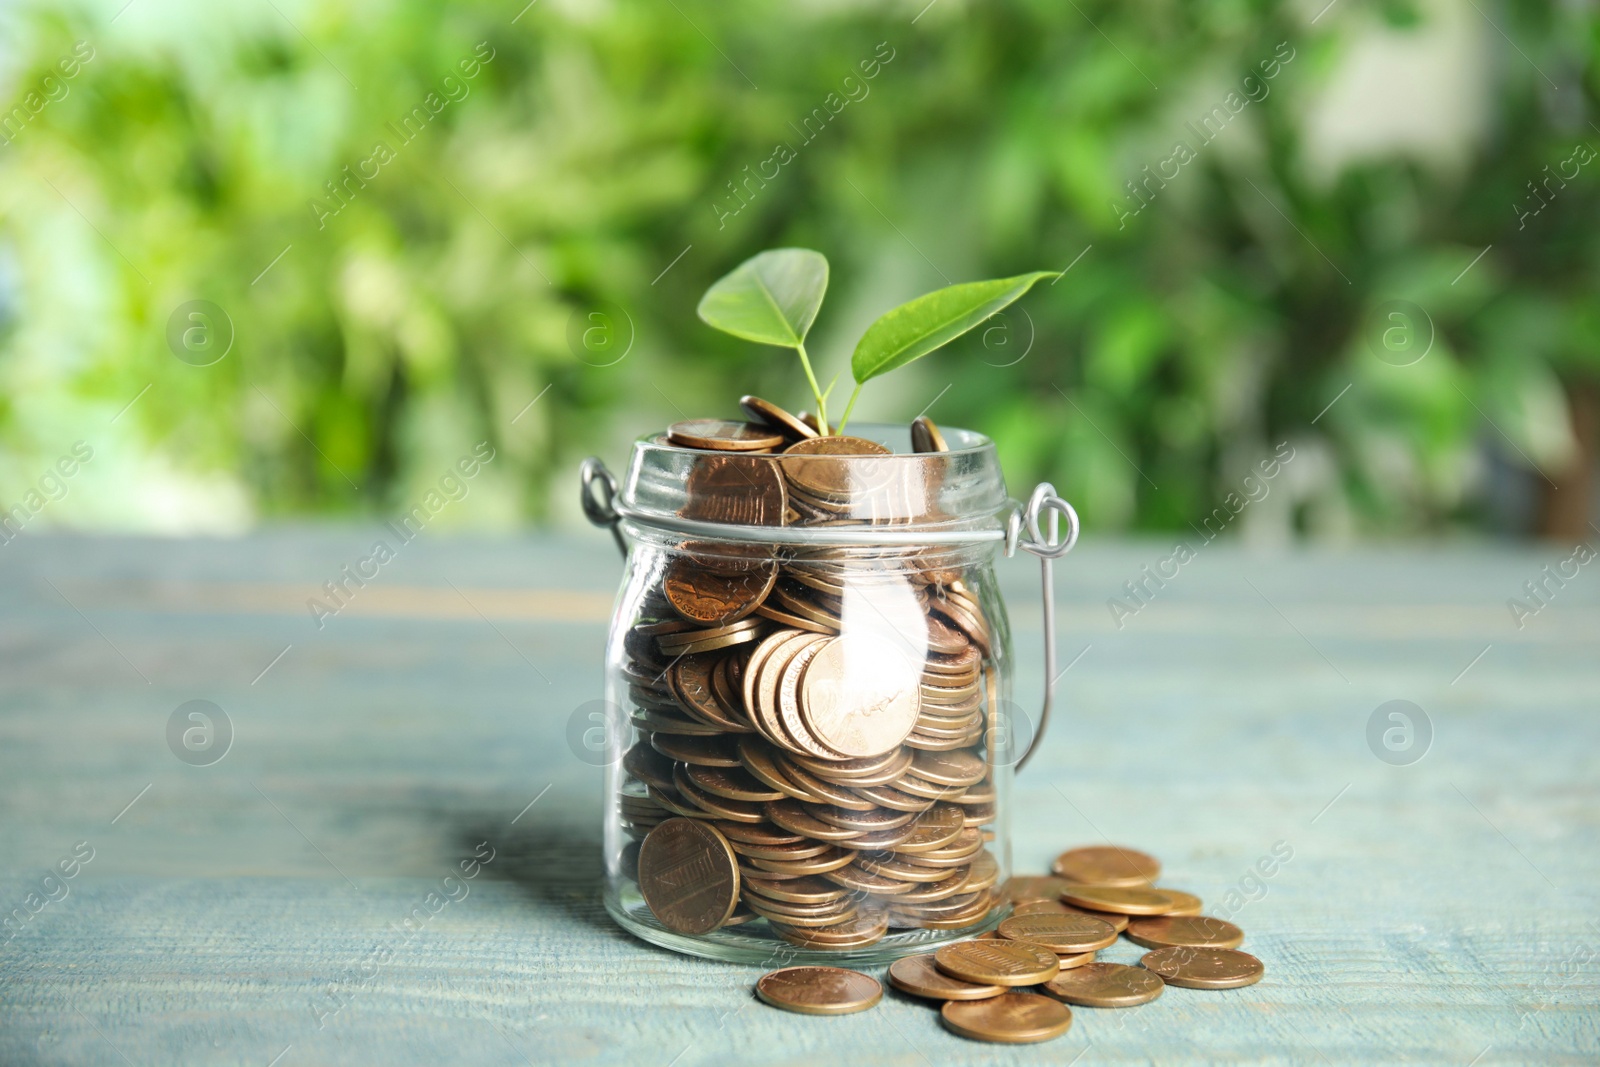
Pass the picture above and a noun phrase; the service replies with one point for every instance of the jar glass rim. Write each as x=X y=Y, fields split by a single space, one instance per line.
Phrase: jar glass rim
x=901 y=497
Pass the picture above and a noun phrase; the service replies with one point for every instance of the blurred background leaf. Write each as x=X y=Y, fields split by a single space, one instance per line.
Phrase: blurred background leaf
x=614 y=158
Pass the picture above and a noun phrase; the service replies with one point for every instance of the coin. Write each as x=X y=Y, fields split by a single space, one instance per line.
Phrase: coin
x=1105 y=985
x=831 y=858
x=795 y=817
x=689 y=876
x=949 y=768
x=1118 y=923
x=865 y=929
x=859 y=696
x=828 y=475
x=714 y=597
x=1182 y=903
x=919 y=976
x=722 y=435
x=934 y=829
x=807 y=890
x=719 y=751
x=733 y=783
x=925 y=436
x=1204 y=968
x=1007 y=963
x=1195 y=931
x=1062 y=934
x=1107 y=865
x=735 y=491
x=1012 y=1018
x=1122 y=900
x=1082 y=959
x=1027 y=887
x=819 y=990
x=772 y=415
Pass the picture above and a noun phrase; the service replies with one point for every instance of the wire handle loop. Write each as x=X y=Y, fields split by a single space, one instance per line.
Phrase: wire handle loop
x=598 y=496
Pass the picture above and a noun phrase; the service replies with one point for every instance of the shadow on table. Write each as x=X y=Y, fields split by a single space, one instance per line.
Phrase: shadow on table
x=557 y=864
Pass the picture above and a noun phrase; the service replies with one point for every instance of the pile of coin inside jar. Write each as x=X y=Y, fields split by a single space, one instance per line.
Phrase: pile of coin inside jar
x=829 y=778
x=1057 y=926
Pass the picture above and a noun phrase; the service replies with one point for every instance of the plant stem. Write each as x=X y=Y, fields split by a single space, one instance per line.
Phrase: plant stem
x=851 y=406
x=816 y=391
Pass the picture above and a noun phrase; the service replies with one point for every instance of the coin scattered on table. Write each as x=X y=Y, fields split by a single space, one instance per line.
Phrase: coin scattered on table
x=819 y=990
x=1105 y=985
x=1119 y=899
x=1204 y=968
x=999 y=962
x=1061 y=934
x=1182 y=903
x=921 y=977
x=1107 y=865
x=1011 y=1019
x=1193 y=931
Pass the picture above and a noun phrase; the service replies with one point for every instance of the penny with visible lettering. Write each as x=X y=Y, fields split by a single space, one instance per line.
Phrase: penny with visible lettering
x=999 y=962
x=689 y=876
x=1062 y=934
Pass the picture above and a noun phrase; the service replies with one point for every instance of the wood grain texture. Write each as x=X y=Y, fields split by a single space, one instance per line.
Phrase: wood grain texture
x=256 y=911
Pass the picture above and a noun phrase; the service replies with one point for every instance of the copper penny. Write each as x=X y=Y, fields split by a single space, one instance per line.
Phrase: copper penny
x=831 y=474
x=1062 y=934
x=1007 y=963
x=1105 y=985
x=859 y=696
x=1204 y=968
x=1194 y=931
x=1082 y=959
x=1107 y=865
x=1011 y=1019
x=819 y=990
x=1034 y=887
x=772 y=415
x=1122 y=900
x=925 y=436
x=717 y=596
x=949 y=768
x=1182 y=903
x=722 y=435
x=1118 y=923
x=736 y=491
x=921 y=977
x=689 y=876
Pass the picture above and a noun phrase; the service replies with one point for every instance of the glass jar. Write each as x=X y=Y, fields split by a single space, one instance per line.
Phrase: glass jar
x=808 y=677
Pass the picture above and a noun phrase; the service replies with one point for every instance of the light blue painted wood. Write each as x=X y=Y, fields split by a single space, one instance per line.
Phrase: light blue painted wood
x=1433 y=913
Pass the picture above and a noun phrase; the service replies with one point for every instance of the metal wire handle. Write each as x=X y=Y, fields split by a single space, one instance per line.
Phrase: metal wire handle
x=1026 y=519
x=602 y=509
x=599 y=506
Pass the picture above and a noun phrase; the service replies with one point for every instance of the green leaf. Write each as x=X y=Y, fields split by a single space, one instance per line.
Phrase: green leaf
x=919 y=326
x=771 y=298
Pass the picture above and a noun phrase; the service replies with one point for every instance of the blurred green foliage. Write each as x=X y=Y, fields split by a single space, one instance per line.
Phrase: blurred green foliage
x=594 y=164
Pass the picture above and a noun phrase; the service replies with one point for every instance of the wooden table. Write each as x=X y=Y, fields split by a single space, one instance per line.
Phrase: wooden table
x=254 y=910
